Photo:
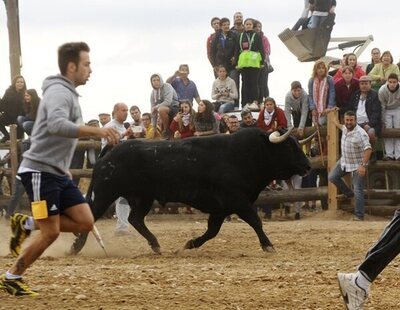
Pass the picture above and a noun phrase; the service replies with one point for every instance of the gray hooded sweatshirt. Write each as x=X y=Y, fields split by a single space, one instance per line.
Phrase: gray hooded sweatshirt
x=163 y=96
x=55 y=133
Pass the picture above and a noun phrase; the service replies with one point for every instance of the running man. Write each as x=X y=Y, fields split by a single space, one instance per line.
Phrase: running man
x=57 y=204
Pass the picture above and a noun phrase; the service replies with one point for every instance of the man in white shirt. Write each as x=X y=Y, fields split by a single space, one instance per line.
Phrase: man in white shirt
x=122 y=209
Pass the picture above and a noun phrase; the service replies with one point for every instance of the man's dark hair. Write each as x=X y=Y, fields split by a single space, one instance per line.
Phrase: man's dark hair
x=224 y=20
x=147 y=115
x=133 y=108
x=233 y=116
x=70 y=52
x=350 y=113
x=393 y=76
x=245 y=113
x=214 y=18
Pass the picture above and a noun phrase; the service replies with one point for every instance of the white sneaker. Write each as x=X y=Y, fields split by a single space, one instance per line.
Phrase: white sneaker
x=254 y=107
x=353 y=296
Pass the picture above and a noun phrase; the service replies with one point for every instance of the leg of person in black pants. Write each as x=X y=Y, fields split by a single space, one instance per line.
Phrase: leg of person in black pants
x=355 y=286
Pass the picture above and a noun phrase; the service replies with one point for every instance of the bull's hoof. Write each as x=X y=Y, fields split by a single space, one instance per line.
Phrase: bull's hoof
x=72 y=251
x=269 y=249
x=156 y=250
x=189 y=245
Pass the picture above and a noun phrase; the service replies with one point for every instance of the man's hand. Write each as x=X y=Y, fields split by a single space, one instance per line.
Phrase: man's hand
x=362 y=171
x=110 y=134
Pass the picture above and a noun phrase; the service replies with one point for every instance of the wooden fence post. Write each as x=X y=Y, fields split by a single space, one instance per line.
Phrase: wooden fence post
x=14 y=155
x=333 y=150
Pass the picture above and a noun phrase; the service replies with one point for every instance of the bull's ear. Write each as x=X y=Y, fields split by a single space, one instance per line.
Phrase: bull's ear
x=276 y=137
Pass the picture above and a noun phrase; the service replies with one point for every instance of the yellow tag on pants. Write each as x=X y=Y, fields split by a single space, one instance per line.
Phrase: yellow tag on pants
x=39 y=210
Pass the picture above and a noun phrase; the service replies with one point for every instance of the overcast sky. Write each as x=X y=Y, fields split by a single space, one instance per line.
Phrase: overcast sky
x=130 y=40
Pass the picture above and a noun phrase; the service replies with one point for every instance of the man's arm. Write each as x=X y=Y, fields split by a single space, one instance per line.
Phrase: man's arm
x=363 y=168
x=110 y=134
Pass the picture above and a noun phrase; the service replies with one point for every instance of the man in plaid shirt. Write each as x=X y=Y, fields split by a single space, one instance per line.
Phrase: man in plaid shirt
x=356 y=152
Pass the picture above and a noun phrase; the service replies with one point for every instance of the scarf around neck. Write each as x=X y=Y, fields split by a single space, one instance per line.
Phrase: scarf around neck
x=320 y=93
x=268 y=117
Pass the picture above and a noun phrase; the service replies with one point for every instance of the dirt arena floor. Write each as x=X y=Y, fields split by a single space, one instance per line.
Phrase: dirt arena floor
x=229 y=272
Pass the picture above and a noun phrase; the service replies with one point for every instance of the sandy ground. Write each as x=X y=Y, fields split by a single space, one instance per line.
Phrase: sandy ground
x=229 y=272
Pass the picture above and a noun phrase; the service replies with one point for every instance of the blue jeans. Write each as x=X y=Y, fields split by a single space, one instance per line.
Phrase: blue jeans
x=335 y=176
x=316 y=21
x=225 y=107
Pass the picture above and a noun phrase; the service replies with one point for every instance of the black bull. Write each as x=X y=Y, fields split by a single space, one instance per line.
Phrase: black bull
x=219 y=175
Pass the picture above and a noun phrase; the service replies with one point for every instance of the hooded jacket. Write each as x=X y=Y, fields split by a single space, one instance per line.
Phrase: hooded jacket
x=298 y=108
x=12 y=105
x=55 y=133
x=163 y=96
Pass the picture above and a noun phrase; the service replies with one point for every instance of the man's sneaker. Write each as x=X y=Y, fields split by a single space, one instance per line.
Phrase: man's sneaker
x=16 y=287
x=18 y=233
x=354 y=296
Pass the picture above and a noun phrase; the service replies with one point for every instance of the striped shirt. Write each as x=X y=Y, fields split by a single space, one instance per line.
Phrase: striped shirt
x=354 y=143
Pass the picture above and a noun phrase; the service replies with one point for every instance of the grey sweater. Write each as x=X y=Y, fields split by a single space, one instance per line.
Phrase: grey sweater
x=55 y=133
x=389 y=100
x=296 y=105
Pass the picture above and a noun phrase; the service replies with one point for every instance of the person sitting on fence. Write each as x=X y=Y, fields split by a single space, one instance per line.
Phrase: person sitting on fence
x=344 y=89
x=296 y=108
x=351 y=61
x=164 y=103
x=182 y=125
x=205 y=122
x=148 y=126
x=233 y=124
x=11 y=106
x=31 y=104
x=224 y=92
x=223 y=125
x=185 y=89
x=271 y=117
x=375 y=59
x=321 y=97
x=365 y=103
x=247 y=119
x=381 y=71
x=389 y=96
x=138 y=130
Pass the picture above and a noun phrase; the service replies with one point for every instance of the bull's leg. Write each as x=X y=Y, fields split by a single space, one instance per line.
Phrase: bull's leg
x=140 y=207
x=249 y=215
x=214 y=225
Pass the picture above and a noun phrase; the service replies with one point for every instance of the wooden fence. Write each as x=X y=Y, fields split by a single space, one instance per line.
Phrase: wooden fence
x=273 y=197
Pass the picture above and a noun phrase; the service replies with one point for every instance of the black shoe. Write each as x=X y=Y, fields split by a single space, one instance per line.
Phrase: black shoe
x=297 y=216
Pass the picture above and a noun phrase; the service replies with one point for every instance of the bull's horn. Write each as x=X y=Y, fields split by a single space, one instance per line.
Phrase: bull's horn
x=304 y=141
x=276 y=137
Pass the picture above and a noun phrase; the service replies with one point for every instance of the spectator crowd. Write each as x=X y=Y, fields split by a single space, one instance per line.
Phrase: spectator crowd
x=239 y=55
